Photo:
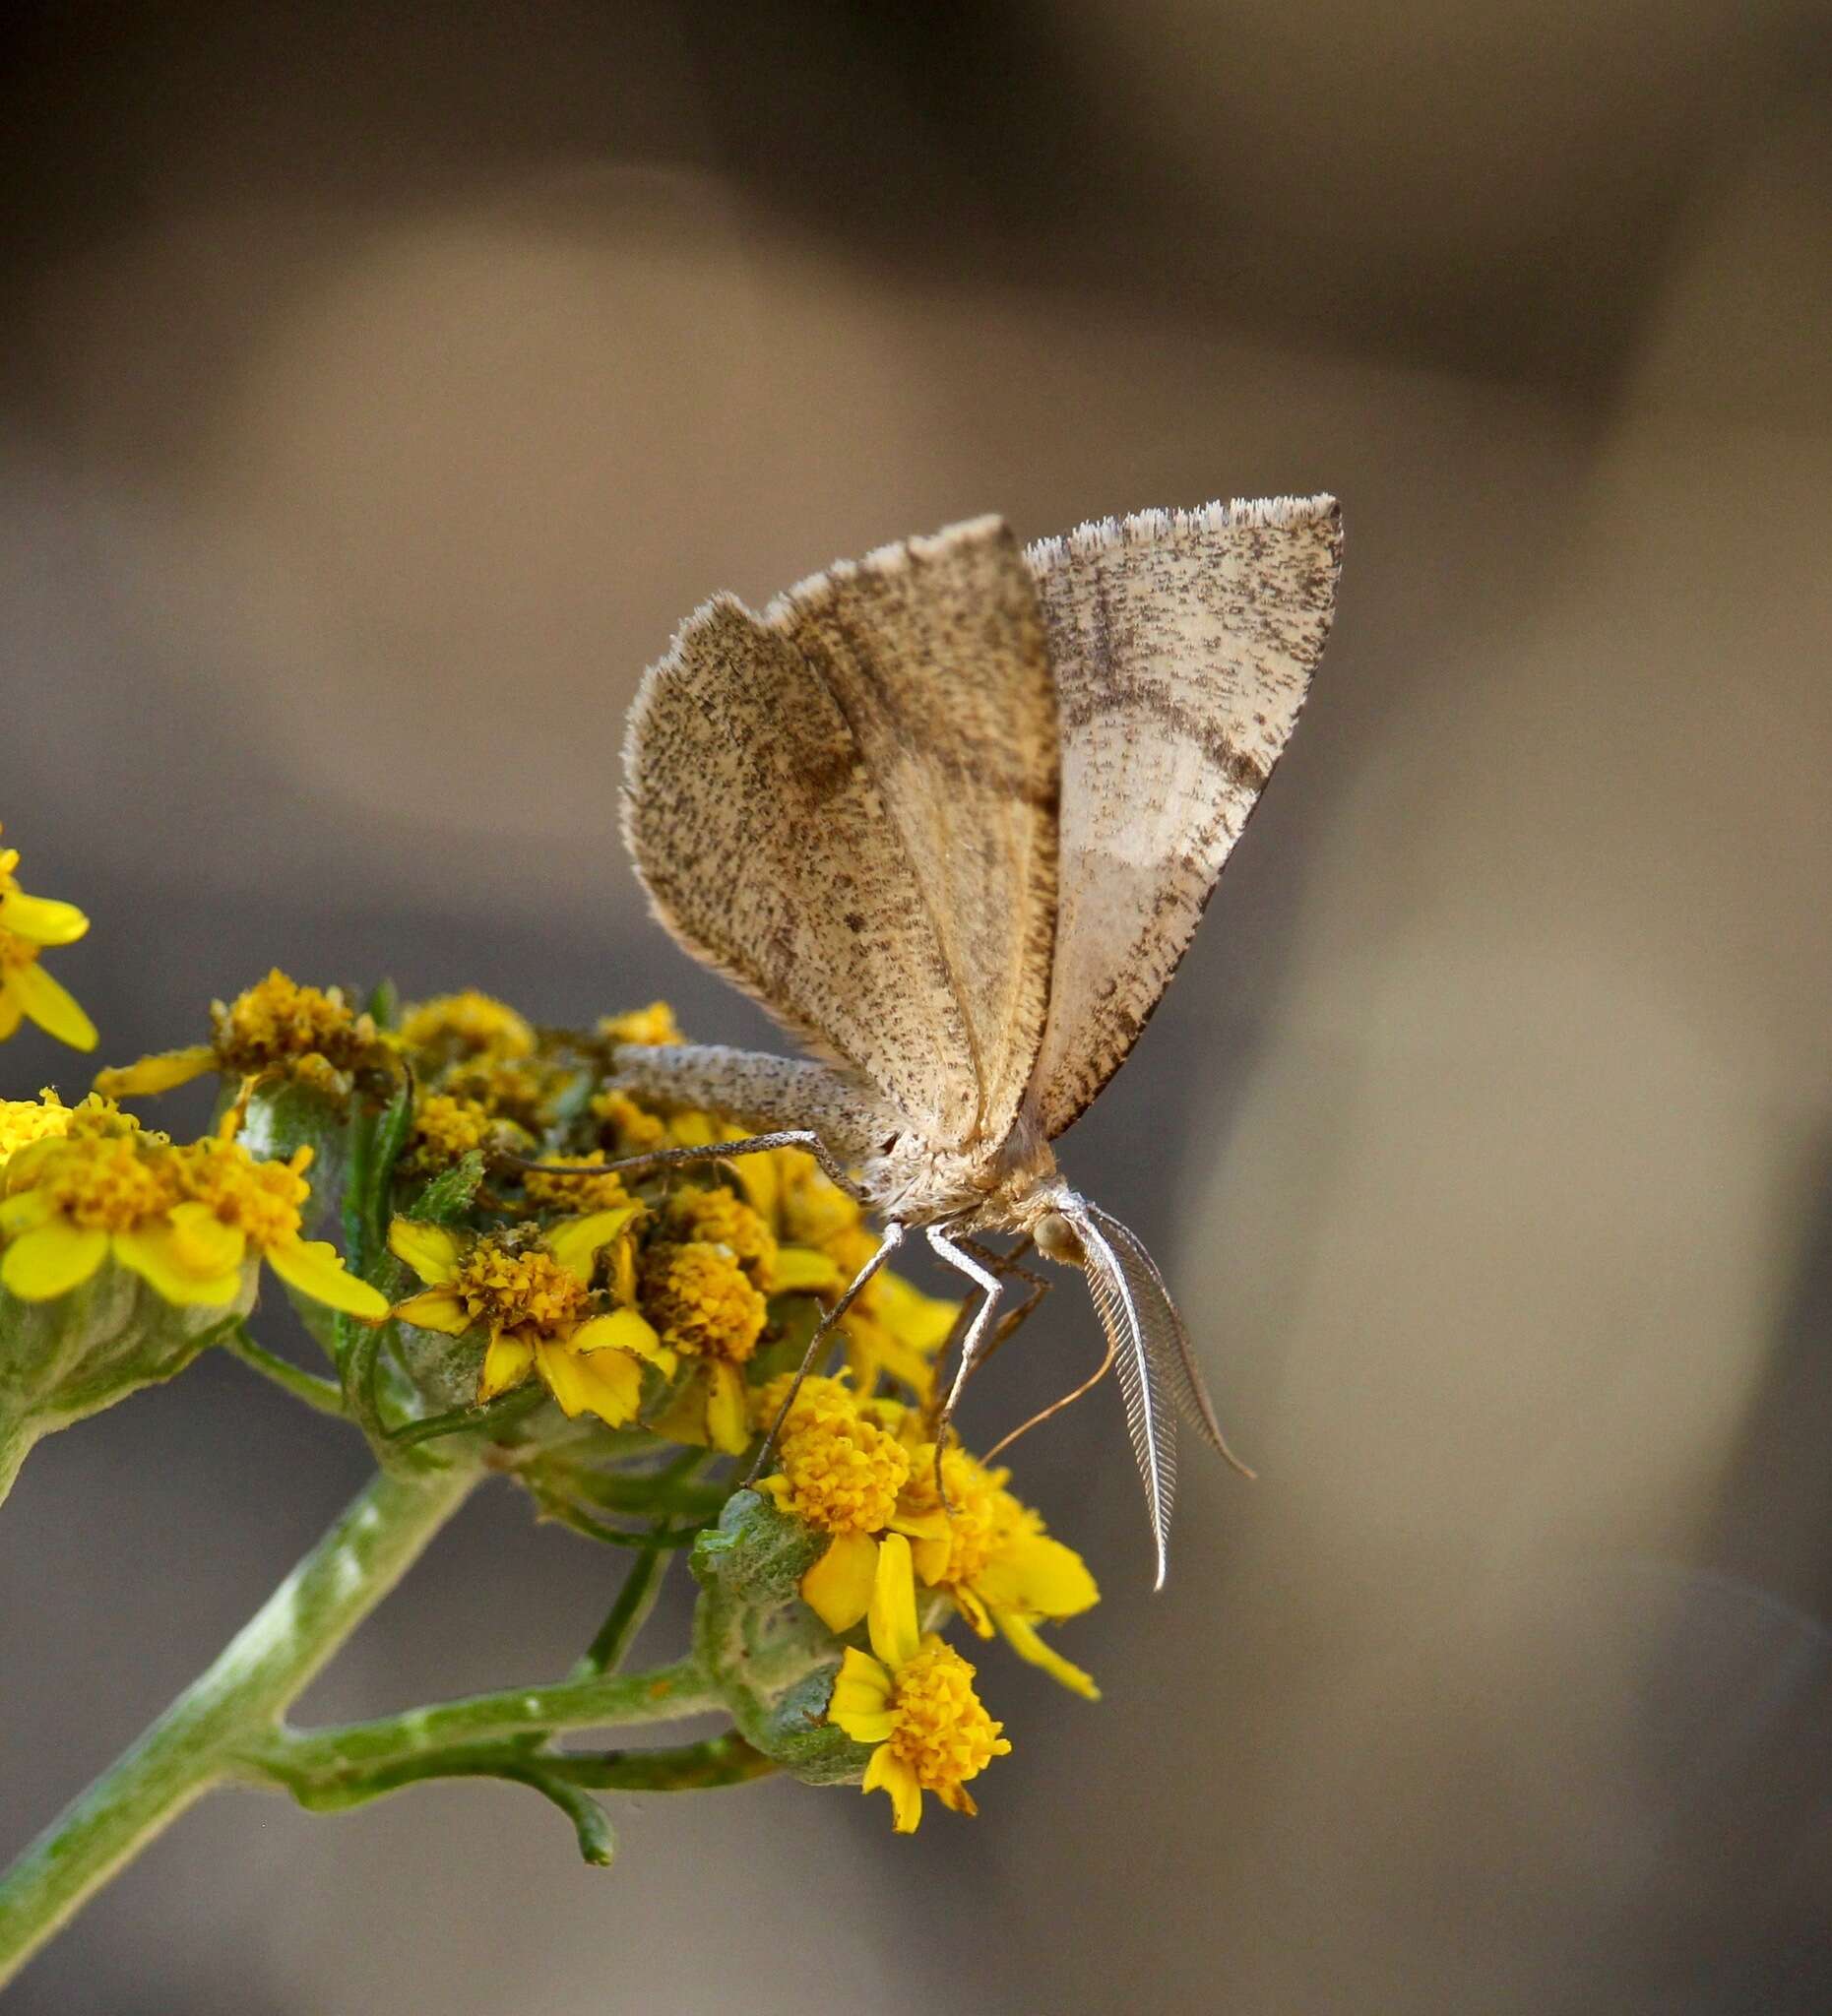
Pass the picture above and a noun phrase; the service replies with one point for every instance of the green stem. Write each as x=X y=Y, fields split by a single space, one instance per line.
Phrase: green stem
x=323 y=1394
x=320 y=1760
x=193 y=1745
x=628 y=1615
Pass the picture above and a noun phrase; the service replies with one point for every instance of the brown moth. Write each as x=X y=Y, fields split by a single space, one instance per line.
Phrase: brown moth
x=951 y=814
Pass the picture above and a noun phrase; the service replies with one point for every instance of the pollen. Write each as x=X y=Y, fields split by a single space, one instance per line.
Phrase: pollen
x=843 y=1473
x=654 y=1025
x=941 y=1729
x=575 y=1193
x=726 y=1220
x=519 y=1291
x=261 y=1199
x=278 y=1021
x=471 y=1023
x=701 y=1301
x=107 y=1185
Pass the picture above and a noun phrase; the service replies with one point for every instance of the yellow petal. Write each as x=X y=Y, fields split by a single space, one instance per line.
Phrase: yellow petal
x=1028 y=1643
x=838 y=1588
x=626 y=1330
x=921 y=1321
x=1039 y=1577
x=51 y=1259
x=11 y=1012
x=757 y=1178
x=802 y=1270
x=889 y=1773
x=157 y=1072
x=25 y=1210
x=156 y=1254
x=202 y=1244
x=316 y=1268
x=506 y=1364
x=861 y=1698
x=437 y=1309
x=41 y=920
x=696 y=1130
x=894 y=1633
x=53 y=1008
x=608 y=1384
x=431 y=1250
x=728 y=1412
x=575 y=1243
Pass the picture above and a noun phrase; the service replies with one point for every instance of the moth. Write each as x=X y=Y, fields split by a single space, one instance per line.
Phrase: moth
x=951 y=814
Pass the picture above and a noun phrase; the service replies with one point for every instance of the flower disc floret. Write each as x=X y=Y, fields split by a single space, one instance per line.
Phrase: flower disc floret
x=654 y=1025
x=699 y=1298
x=842 y=1474
x=514 y=1290
x=940 y=1728
x=721 y=1219
x=544 y=1192
x=471 y=1023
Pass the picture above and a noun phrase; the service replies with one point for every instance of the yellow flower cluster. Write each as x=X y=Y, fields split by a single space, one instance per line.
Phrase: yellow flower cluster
x=862 y=1472
x=29 y=927
x=95 y=1187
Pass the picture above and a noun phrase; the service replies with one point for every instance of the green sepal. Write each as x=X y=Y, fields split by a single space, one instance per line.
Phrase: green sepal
x=451 y=1193
x=284 y=1116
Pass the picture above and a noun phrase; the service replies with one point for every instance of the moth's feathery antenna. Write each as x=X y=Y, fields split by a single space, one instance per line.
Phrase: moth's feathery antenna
x=823 y=1330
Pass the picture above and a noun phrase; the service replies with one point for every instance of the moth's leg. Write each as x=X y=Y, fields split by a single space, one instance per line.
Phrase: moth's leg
x=1056 y=1406
x=677 y=1158
x=1004 y=1265
x=978 y=1331
x=823 y=1330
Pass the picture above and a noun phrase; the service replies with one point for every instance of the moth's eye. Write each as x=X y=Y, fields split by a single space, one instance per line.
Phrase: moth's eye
x=1057 y=1239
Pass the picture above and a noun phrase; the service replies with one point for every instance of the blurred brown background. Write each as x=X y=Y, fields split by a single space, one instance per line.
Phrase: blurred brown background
x=380 y=387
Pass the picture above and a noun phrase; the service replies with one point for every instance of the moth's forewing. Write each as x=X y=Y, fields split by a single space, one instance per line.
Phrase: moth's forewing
x=1182 y=644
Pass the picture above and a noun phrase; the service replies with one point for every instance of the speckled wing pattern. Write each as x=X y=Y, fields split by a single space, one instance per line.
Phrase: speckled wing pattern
x=848 y=806
x=1182 y=644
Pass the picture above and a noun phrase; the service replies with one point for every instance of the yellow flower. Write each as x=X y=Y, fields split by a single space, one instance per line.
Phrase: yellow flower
x=544 y=1192
x=29 y=925
x=185 y=1220
x=719 y=1218
x=655 y=1024
x=256 y=1208
x=466 y=1024
x=274 y=1028
x=629 y=1129
x=701 y=1301
x=843 y=1475
x=71 y=1205
x=994 y=1562
x=512 y=1090
x=914 y=1701
x=539 y=1309
x=446 y=1128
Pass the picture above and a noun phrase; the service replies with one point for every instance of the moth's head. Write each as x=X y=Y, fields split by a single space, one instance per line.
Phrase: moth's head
x=1056 y=1238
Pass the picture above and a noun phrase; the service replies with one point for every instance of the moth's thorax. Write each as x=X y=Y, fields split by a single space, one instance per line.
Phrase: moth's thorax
x=984 y=1189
